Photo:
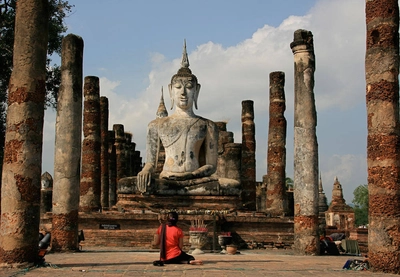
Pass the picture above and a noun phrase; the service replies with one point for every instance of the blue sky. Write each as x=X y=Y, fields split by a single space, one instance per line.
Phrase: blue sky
x=135 y=47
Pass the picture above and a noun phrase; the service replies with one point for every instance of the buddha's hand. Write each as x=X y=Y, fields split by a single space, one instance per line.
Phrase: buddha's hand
x=177 y=176
x=143 y=180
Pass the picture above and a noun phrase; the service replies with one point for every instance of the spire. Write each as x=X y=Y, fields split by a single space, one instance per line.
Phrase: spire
x=161 y=111
x=322 y=201
x=185 y=59
x=321 y=190
x=337 y=192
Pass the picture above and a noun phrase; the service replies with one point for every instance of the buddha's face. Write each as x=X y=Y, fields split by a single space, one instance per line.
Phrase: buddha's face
x=184 y=91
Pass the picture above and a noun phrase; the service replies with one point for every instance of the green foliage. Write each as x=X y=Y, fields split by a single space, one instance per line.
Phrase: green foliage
x=289 y=183
x=360 y=202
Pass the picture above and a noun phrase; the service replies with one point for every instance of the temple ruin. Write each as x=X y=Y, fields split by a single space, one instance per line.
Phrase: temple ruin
x=192 y=164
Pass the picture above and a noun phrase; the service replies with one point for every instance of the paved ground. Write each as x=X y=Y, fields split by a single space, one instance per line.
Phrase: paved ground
x=127 y=262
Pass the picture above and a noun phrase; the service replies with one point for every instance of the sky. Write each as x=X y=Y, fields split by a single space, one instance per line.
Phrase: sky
x=135 y=47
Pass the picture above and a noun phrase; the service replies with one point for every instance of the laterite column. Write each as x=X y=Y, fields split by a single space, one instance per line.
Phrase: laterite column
x=306 y=239
x=22 y=163
x=104 y=152
x=67 y=152
x=383 y=141
x=90 y=189
x=248 y=156
x=276 y=204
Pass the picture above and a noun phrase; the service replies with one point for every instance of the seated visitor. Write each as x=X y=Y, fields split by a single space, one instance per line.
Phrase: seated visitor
x=170 y=238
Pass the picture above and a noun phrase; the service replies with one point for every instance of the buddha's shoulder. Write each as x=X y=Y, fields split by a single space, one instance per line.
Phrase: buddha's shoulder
x=158 y=121
x=207 y=121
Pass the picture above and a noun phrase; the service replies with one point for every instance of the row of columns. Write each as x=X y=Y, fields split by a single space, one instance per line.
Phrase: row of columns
x=85 y=172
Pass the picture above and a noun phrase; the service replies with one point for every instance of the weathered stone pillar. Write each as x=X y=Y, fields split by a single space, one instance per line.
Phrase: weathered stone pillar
x=20 y=196
x=67 y=152
x=104 y=152
x=224 y=137
x=132 y=150
x=383 y=143
x=263 y=196
x=119 y=150
x=127 y=153
x=138 y=163
x=90 y=188
x=276 y=162
x=248 y=156
x=112 y=169
x=306 y=240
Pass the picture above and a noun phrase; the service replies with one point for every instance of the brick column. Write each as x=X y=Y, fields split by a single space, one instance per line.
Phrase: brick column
x=276 y=204
x=127 y=153
x=20 y=190
x=383 y=142
x=90 y=188
x=306 y=239
x=67 y=153
x=104 y=152
x=112 y=169
x=119 y=151
x=248 y=156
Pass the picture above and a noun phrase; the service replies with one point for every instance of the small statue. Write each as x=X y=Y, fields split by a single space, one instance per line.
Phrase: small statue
x=190 y=143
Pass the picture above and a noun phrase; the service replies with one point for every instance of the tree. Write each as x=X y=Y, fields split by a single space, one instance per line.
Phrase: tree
x=361 y=204
x=58 y=10
x=289 y=183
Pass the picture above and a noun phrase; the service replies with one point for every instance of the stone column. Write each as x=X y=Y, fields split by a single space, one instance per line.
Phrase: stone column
x=276 y=163
x=248 y=156
x=119 y=150
x=104 y=152
x=112 y=169
x=133 y=149
x=67 y=152
x=90 y=188
x=138 y=163
x=306 y=239
x=20 y=191
x=127 y=152
x=383 y=142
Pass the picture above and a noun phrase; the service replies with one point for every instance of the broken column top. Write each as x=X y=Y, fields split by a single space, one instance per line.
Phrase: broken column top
x=303 y=37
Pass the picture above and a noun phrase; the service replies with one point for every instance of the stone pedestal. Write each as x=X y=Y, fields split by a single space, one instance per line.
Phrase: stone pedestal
x=184 y=202
x=197 y=240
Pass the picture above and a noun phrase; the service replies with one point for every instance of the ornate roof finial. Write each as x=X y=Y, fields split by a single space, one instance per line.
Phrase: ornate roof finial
x=185 y=59
x=161 y=111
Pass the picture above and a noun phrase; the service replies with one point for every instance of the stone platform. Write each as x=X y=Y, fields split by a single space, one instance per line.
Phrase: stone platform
x=178 y=202
x=136 y=228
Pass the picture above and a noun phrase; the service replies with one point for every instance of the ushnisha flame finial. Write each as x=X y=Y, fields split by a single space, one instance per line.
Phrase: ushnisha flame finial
x=185 y=59
x=184 y=71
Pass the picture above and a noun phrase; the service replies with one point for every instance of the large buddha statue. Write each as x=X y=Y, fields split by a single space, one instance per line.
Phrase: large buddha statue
x=190 y=143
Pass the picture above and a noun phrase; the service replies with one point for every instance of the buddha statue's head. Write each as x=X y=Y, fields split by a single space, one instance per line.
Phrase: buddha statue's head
x=184 y=88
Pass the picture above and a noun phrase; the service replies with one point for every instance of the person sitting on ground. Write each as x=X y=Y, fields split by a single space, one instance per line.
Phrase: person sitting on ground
x=170 y=238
